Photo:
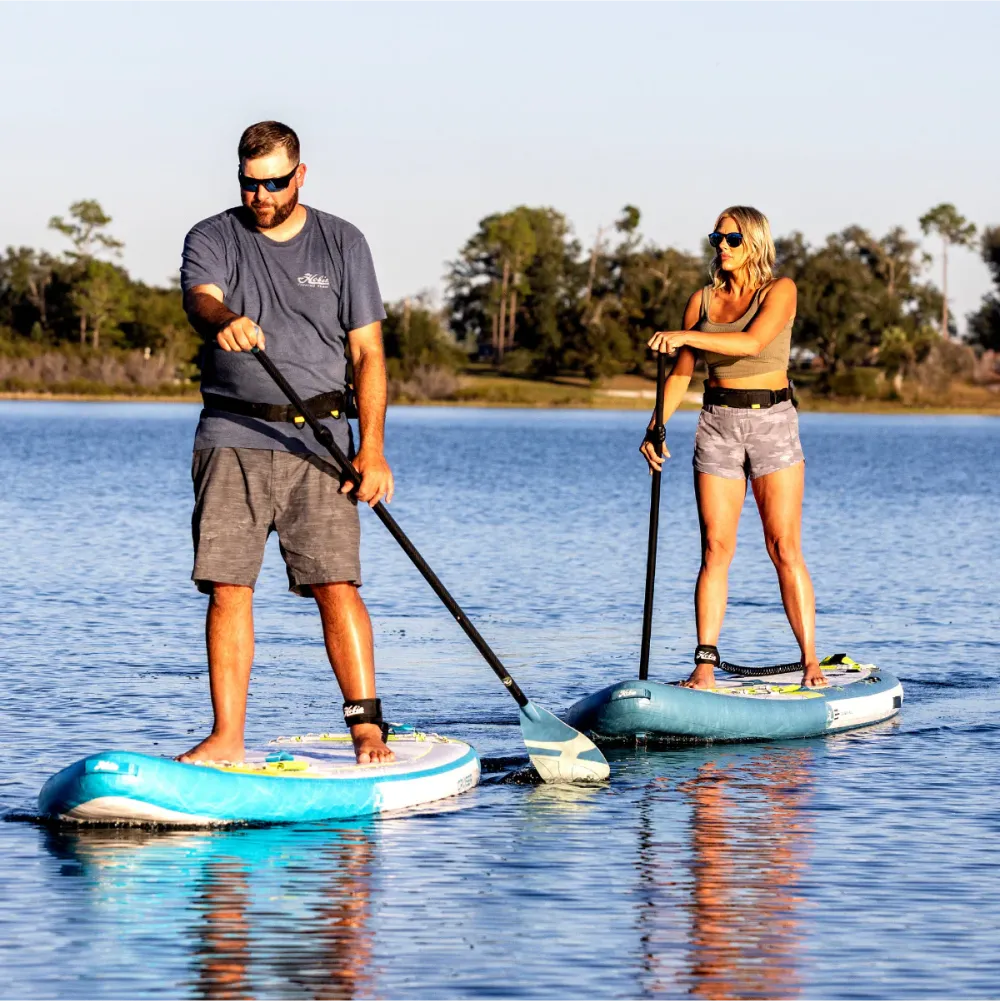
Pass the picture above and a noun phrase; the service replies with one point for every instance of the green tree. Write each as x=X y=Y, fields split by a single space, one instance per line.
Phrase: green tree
x=955 y=230
x=156 y=321
x=984 y=324
x=415 y=337
x=895 y=259
x=853 y=289
x=25 y=275
x=632 y=290
x=837 y=294
x=102 y=295
x=512 y=238
x=901 y=349
x=533 y=247
x=94 y=285
x=85 y=229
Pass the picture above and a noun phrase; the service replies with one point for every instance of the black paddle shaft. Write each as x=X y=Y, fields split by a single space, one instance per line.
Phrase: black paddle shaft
x=325 y=438
x=654 y=520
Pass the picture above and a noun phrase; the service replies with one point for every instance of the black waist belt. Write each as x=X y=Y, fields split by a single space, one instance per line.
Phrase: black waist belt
x=325 y=405
x=750 y=399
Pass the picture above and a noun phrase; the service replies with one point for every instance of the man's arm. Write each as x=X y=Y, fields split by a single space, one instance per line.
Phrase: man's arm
x=370 y=386
x=211 y=317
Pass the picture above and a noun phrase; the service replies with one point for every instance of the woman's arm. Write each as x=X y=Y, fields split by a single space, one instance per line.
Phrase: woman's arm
x=776 y=309
x=675 y=386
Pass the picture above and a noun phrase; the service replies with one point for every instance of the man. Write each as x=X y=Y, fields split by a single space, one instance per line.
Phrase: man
x=276 y=273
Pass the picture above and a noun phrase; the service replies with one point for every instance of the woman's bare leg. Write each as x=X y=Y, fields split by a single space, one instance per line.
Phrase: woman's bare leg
x=779 y=500
x=720 y=502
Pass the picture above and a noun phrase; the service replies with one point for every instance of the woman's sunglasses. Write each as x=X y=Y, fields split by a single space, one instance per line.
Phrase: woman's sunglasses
x=733 y=239
x=269 y=183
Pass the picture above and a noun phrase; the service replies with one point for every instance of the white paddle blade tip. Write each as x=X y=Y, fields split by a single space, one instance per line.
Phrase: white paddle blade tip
x=559 y=753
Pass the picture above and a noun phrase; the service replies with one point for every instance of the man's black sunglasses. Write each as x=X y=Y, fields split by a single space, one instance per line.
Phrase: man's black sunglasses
x=733 y=239
x=270 y=183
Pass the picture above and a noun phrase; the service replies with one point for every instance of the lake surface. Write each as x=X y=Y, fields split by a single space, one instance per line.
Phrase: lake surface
x=860 y=866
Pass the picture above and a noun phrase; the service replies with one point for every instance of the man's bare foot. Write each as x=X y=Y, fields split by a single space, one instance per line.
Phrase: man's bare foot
x=703 y=676
x=369 y=748
x=813 y=676
x=214 y=748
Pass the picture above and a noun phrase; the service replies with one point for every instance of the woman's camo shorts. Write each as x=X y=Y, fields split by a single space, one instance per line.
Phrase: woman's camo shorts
x=740 y=442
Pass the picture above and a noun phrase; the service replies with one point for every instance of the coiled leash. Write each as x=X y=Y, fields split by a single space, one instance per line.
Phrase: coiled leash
x=705 y=654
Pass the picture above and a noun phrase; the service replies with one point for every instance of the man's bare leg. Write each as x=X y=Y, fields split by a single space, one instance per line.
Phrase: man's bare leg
x=720 y=503
x=779 y=500
x=347 y=631
x=229 y=638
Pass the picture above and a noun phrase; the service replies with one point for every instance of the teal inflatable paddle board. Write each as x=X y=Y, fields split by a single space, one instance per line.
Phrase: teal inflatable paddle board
x=740 y=708
x=314 y=777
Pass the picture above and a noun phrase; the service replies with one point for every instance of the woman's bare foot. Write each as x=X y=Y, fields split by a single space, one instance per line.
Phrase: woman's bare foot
x=369 y=747
x=703 y=676
x=214 y=748
x=813 y=676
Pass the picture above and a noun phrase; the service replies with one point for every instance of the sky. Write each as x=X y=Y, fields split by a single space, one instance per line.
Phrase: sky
x=417 y=120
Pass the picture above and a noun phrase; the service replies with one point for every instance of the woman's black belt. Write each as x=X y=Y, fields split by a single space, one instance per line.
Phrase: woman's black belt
x=749 y=399
x=325 y=405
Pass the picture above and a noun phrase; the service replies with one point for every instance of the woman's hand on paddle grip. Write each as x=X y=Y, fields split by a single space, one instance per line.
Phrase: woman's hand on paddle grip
x=377 y=482
x=668 y=342
x=648 y=450
x=240 y=334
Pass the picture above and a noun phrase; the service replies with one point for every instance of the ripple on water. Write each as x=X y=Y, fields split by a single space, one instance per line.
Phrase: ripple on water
x=864 y=865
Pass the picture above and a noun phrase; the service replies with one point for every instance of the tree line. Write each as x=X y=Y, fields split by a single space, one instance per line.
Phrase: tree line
x=523 y=295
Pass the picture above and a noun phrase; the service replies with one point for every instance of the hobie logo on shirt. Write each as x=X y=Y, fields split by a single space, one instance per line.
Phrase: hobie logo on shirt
x=317 y=281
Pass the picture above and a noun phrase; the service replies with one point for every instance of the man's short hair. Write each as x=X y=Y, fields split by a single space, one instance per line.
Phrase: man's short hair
x=265 y=138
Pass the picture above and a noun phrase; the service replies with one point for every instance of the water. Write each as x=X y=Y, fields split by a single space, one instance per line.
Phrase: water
x=865 y=865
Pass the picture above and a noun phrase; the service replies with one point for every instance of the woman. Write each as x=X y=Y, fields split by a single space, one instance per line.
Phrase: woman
x=748 y=428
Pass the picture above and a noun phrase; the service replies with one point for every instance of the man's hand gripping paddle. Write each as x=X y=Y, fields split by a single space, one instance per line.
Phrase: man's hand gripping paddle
x=558 y=752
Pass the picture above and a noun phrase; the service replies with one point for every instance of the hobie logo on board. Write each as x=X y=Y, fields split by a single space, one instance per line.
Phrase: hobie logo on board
x=316 y=281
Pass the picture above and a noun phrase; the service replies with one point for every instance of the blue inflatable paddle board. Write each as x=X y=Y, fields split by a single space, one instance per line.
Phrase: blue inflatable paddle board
x=314 y=777
x=739 y=708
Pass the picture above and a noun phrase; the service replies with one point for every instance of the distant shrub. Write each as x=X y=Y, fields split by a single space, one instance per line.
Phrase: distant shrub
x=520 y=362
x=84 y=371
x=426 y=383
x=865 y=383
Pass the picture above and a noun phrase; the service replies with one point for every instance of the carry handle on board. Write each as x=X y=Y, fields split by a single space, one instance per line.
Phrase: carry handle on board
x=654 y=520
x=557 y=751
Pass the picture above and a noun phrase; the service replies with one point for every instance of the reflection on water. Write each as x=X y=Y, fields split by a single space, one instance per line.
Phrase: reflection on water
x=289 y=912
x=746 y=845
x=865 y=865
x=267 y=912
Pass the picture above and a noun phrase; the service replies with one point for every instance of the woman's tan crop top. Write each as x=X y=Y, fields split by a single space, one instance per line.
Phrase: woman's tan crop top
x=774 y=357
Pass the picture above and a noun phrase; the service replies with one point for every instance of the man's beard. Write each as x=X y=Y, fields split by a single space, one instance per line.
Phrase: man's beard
x=281 y=212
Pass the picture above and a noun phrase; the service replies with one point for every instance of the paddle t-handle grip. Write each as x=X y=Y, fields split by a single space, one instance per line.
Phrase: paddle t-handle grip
x=325 y=437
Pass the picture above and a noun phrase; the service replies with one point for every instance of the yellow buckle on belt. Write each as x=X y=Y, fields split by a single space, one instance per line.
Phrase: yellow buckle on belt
x=299 y=421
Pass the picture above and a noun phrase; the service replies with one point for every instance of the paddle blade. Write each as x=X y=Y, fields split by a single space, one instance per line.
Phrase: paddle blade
x=558 y=752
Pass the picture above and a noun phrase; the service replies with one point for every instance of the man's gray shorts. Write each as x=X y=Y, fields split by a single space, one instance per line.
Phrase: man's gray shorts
x=738 y=442
x=243 y=494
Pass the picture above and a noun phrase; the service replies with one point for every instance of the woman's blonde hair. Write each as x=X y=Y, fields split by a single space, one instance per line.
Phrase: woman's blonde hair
x=757 y=239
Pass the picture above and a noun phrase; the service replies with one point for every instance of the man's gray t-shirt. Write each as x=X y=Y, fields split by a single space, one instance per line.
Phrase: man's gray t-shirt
x=305 y=294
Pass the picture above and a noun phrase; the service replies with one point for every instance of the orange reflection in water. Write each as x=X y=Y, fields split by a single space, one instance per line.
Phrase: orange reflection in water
x=749 y=843
x=263 y=912
x=314 y=935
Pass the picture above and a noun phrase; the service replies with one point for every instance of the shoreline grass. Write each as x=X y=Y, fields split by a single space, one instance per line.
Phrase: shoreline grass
x=624 y=393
